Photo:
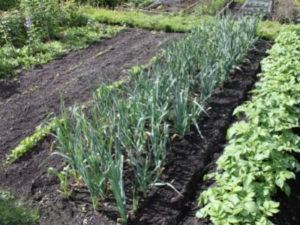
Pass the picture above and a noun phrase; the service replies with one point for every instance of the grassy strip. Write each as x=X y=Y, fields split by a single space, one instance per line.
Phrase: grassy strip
x=270 y=29
x=177 y=23
x=131 y=124
x=259 y=158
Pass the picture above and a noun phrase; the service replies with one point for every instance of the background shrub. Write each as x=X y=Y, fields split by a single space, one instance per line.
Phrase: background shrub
x=12 y=29
x=110 y=3
x=8 y=4
x=12 y=213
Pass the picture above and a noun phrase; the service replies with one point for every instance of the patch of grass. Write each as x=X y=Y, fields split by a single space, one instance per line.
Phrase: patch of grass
x=169 y=23
x=270 y=29
x=13 y=213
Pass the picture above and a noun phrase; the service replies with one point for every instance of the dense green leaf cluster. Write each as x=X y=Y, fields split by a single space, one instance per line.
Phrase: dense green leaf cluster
x=210 y=7
x=28 y=143
x=258 y=158
x=12 y=213
x=8 y=4
x=130 y=125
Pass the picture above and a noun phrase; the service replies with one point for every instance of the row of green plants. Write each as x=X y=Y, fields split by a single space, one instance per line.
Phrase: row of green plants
x=39 y=31
x=130 y=126
x=259 y=157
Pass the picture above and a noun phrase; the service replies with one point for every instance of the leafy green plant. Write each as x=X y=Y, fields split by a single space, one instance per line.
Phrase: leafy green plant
x=27 y=144
x=12 y=212
x=6 y=5
x=209 y=7
x=258 y=158
x=63 y=177
x=12 y=29
x=43 y=18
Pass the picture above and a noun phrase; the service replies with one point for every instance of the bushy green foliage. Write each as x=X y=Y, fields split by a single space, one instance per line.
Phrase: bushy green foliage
x=43 y=18
x=130 y=124
x=12 y=29
x=8 y=4
x=210 y=7
x=110 y=3
x=12 y=213
x=258 y=159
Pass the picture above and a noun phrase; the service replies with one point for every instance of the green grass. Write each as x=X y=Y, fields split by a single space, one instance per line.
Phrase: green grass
x=270 y=29
x=178 y=23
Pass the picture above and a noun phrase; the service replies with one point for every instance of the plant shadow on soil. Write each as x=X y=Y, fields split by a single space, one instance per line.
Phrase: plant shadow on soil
x=188 y=160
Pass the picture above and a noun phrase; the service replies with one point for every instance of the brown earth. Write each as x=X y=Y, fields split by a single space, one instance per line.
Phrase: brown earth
x=25 y=103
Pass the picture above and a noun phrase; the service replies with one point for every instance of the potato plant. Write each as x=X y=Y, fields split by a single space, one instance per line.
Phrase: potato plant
x=259 y=156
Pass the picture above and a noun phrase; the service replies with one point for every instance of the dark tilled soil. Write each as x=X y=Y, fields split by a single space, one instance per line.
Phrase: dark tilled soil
x=289 y=205
x=192 y=157
x=25 y=103
x=188 y=160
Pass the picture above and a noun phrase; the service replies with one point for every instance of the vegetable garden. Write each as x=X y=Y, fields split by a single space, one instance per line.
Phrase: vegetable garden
x=148 y=112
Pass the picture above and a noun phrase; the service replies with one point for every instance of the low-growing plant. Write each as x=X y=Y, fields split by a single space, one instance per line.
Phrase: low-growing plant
x=258 y=158
x=12 y=212
x=8 y=4
x=12 y=29
x=210 y=7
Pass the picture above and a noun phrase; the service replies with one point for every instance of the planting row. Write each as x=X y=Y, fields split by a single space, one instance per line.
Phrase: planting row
x=125 y=132
x=260 y=155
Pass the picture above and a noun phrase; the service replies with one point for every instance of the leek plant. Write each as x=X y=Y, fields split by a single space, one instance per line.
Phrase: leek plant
x=130 y=124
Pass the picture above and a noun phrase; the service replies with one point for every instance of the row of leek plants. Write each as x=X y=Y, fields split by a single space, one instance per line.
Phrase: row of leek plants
x=259 y=157
x=129 y=127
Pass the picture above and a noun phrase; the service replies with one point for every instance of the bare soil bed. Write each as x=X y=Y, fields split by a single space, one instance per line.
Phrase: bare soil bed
x=25 y=103
x=188 y=158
